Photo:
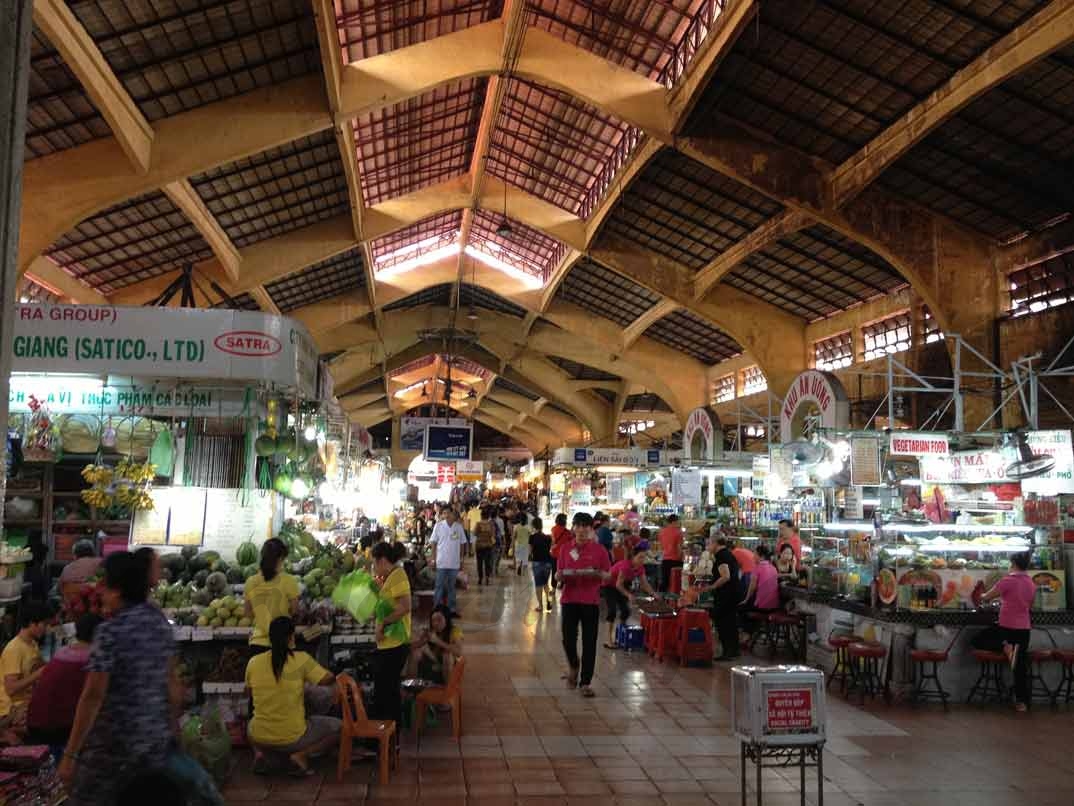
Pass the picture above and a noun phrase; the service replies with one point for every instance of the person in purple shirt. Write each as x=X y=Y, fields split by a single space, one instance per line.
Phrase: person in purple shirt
x=1011 y=635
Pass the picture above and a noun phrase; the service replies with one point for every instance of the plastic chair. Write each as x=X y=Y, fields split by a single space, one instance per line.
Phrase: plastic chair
x=450 y=695
x=694 y=622
x=357 y=725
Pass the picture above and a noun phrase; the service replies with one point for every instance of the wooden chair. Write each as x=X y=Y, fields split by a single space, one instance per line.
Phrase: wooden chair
x=357 y=725
x=450 y=695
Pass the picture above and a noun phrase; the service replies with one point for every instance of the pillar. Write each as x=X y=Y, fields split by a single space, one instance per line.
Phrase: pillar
x=16 y=20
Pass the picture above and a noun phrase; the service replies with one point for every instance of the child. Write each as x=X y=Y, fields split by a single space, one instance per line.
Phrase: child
x=617 y=596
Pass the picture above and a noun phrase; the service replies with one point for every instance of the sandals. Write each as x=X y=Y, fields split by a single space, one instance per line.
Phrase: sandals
x=588 y=692
x=612 y=646
x=296 y=770
x=572 y=678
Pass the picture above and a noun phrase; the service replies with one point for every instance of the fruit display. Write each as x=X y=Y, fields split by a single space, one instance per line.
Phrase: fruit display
x=126 y=486
x=226 y=611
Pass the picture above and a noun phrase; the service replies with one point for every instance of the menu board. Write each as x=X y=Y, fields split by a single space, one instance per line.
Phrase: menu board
x=217 y=519
x=865 y=461
x=686 y=487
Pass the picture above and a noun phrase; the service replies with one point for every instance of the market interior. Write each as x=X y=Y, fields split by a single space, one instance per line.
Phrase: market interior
x=779 y=295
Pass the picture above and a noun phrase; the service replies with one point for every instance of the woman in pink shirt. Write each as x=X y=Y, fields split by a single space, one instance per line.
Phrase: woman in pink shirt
x=763 y=589
x=581 y=569
x=1011 y=636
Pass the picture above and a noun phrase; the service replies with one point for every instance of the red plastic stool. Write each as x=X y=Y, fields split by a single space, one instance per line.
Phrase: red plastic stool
x=990 y=685
x=841 y=671
x=782 y=627
x=923 y=676
x=698 y=621
x=1065 y=689
x=865 y=657
x=664 y=637
x=1038 y=686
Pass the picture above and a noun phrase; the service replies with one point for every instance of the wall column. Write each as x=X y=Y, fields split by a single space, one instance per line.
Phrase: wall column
x=16 y=20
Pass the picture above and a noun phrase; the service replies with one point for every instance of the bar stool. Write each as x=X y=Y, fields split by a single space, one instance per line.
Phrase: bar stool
x=990 y=685
x=865 y=657
x=1038 y=686
x=923 y=675
x=1065 y=689
x=781 y=629
x=842 y=670
x=760 y=634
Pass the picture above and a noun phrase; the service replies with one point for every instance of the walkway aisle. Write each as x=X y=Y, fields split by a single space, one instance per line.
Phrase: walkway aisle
x=656 y=734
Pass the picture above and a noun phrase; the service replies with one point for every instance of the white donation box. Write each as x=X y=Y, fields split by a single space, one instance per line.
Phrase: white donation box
x=778 y=705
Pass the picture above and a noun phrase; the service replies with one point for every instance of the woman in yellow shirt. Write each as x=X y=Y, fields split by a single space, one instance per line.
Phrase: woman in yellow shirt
x=392 y=651
x=276 y=680
x=270 y=593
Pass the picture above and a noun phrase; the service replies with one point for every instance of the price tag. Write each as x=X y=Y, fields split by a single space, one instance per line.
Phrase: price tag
x=202 y=634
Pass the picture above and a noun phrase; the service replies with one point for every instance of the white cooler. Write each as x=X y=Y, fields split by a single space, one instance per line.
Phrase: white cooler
x=778 y=705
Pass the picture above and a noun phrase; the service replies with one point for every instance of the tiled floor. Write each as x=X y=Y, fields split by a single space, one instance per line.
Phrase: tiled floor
x=657 y=734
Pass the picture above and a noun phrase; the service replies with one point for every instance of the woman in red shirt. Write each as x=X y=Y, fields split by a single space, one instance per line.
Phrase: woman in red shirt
x=561 y=536
x=1011 y=636
x=583 y=568
x=55 y=699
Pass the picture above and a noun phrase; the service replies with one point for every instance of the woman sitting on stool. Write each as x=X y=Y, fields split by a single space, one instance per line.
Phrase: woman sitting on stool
x=277 y=679
x=433 y=653
x=763 y=590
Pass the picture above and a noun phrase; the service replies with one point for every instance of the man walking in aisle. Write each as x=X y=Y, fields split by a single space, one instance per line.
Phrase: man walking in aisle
x=583 y=566
x=448 y=538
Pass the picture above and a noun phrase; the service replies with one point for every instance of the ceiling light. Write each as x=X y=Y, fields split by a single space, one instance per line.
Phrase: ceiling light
x=616 y=469
x=472 y=313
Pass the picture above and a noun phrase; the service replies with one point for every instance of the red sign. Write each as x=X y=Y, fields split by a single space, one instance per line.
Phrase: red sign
x=445 y=472
x=790 y=710
x=250 y=343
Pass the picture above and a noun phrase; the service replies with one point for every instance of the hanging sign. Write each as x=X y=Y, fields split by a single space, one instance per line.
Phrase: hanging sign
x=686 y=487
x=853 y=503
x=813 y=394
x=1060 y=479
x=965 y=467
x=467 y=470
x=445 y=473
x=451 y=442
x=412 y=431
x=915 y=443
x=865 y=461
x=151 y=342
x=702 y=428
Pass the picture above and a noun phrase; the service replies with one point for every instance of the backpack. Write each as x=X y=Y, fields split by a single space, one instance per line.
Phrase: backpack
x=485 y=535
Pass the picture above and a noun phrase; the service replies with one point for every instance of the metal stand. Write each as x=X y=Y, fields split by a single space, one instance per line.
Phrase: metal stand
x=768 y=756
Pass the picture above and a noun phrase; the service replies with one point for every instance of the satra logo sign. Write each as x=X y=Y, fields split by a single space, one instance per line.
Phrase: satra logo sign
x=248 y=343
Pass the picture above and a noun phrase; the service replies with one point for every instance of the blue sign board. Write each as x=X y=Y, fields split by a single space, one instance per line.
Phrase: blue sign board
x=580 y=456
x=652 y=457
x=448 y=443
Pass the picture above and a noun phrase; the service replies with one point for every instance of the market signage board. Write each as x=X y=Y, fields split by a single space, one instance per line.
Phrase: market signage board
x=469 y=470
x=918 y=443
x=151 y=342
x=1060 y=479
x=445 y=472
x=789 y=710
x=412 y=430
x=813 y=394
x=211 y=518
x=966 y=467
x=448 y=442
x=854 y=503
x=64 y=394
x=686 y=487
x=703 y=427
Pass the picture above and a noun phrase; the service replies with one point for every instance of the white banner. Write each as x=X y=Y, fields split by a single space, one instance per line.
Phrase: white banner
x=966 y=467
x=151 y=342
x=1060 y=479
x=67 y=394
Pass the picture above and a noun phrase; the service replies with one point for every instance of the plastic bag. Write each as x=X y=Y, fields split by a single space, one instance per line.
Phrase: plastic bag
x=206 y=739
x=357 y=594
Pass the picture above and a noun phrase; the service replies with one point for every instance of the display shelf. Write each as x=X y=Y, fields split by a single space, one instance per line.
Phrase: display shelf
x=38 y=522
x=925 y=528
x=222 y=688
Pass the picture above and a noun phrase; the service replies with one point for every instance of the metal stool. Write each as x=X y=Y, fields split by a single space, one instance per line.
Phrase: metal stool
x=990 y=685
x=1065 y=689
x=842 y=670
x=924 y=676
x=760 y=634
x=865 y=657
x=1038 y=686
x=781 y=628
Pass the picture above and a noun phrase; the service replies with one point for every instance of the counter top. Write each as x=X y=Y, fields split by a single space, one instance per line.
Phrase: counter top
x=983 y=618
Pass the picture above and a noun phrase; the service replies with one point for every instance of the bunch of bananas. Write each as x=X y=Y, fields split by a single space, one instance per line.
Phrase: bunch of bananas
x=134 y=498
x=97 y=497
x=97 y=475
x=135 y=473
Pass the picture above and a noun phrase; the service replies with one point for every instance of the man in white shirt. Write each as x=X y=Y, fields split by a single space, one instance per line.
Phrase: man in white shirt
x=448 y=537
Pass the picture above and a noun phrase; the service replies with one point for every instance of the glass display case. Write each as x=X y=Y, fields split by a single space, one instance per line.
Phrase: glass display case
x=944 y=566
x=837 y=560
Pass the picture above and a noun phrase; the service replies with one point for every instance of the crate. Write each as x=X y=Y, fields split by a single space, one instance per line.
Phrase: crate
x=778 y=705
